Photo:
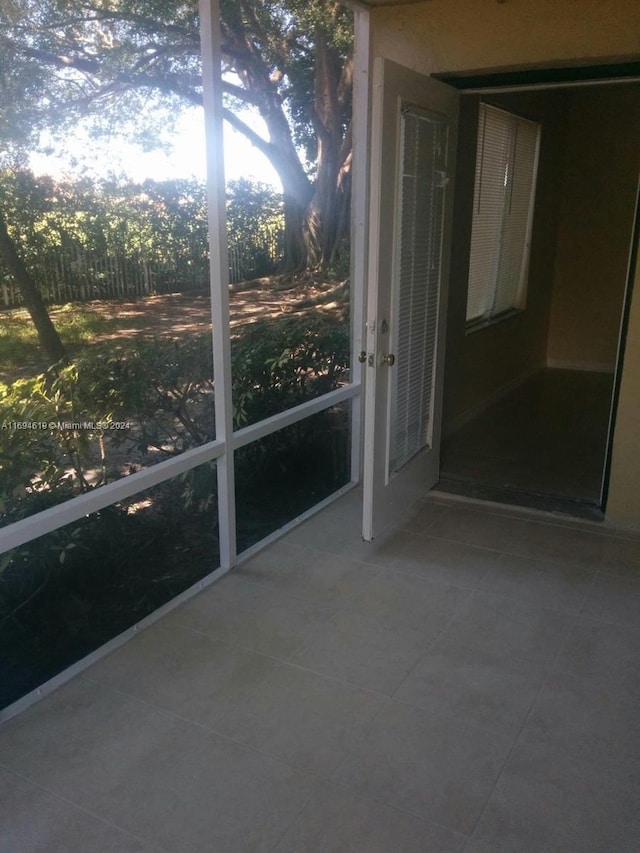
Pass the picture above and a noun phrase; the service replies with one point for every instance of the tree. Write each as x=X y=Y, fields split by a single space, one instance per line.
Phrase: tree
x=47 y=333
x=19 y=85
x=288 y=61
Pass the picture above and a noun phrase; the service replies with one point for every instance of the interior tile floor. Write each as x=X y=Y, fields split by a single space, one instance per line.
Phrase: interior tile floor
x=542 y=445
x=468 y=682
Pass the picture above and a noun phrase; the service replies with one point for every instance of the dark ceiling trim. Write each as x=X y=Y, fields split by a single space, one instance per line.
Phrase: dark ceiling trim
x=536 y=76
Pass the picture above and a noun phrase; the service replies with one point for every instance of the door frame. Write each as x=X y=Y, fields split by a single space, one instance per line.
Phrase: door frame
x=540 y=78
x=499 y=80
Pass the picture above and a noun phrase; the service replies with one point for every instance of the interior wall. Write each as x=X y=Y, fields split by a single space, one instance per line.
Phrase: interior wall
x=491 y=360
x=601 y=167
x=623 y=504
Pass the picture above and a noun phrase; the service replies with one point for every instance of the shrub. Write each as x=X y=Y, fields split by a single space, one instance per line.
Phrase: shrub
x=280 y=364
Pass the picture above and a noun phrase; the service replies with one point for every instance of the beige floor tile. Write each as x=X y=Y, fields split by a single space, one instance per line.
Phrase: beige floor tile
x=190 y=674
x=467 y=683
x=596 y=649
x=262 y=619
x=429 y=766
x=362 y=651
x=279 y=554
x=198 y=737
x=614 y=598
x=595 y=720
x=396 y=598
x=502 y=625
x=621 y=556
x=341 y=534
x=330 y=525
x=422 y=515
x=314 y=575
x=382 y=551
x=565 y=544
x=337 y=821
x=556 y=586
x=472 y=526
x=49 y=743
x=441 y=560
x=157 y=777
x=474 y=846
x=546 y=804
x=301 y=717
x=33 y=820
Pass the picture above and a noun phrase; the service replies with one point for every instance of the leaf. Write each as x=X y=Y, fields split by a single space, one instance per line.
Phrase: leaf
x=5 y=561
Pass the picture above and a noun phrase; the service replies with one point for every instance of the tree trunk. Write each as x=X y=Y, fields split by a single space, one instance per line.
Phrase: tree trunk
x=34 y=303
x=327 y=216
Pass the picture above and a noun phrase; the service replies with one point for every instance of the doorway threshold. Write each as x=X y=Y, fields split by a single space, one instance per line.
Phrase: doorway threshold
x=515 y=497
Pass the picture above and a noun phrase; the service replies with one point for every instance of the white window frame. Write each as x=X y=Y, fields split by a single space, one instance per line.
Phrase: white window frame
x=497 y=283
x=227 y=441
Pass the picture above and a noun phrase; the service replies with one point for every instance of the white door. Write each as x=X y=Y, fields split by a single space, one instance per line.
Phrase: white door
x=414 y=124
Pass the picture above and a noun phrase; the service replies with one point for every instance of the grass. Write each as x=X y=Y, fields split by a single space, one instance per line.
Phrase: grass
x=76 y=323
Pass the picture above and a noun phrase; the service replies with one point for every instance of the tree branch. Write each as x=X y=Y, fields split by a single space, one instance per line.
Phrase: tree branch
x=240 y=93
x=81 y=63
x=254 y=138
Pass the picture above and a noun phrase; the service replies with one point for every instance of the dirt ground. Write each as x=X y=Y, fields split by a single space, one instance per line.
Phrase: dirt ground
x=174 y=314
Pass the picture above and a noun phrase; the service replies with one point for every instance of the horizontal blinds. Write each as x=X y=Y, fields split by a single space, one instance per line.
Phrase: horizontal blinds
x=421 y=206
x=506 y=162
x=514 y=252
x=492 y=161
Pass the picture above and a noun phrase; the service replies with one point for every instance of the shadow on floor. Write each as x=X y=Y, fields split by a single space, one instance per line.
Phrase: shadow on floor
x=542 y=446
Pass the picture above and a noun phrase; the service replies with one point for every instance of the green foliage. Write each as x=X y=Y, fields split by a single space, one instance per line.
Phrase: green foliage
x=71 y=57
x=158 y=220
x=75 y=324
x=164 y=390
x=280 y=364
x=252 y=208
x=44 y=456
x=65 y=228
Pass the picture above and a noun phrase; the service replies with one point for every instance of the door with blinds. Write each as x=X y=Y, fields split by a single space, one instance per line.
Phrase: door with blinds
x=414 y=122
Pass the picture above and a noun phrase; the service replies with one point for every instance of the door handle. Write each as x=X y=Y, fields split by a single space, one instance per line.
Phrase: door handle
x=389 y=359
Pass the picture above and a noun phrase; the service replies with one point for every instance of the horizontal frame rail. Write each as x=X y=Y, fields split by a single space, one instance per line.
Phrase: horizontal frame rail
x=23 y=531
x=72 y=510
x=259 y=430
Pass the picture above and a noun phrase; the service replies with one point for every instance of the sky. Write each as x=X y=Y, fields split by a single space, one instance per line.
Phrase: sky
x=185 y=160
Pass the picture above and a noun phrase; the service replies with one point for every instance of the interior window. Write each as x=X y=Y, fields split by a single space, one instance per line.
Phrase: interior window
x=506 y=165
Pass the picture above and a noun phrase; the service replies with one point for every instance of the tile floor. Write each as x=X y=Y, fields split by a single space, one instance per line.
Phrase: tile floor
x=545 y=441
x=469 y=682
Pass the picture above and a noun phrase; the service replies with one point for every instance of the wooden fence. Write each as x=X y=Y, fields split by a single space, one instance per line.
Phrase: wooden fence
x=80 y=276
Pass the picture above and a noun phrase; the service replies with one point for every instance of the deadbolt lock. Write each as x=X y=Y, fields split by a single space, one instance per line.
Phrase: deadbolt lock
x=389 y=359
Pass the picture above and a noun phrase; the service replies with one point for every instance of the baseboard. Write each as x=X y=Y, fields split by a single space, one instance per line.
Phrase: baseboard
x=469 y=414
x=585 y=366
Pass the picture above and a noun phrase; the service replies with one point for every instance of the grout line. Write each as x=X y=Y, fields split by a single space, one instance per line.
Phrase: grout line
x=549 y=674
x=83 y=809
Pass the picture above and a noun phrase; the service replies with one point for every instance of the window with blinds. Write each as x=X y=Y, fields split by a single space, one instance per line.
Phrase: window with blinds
x=503 y=201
